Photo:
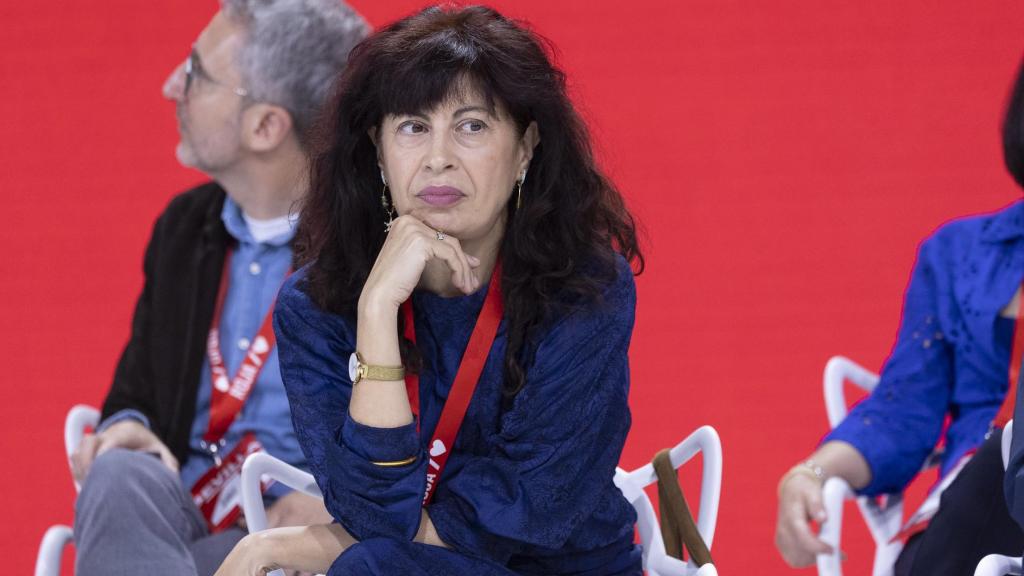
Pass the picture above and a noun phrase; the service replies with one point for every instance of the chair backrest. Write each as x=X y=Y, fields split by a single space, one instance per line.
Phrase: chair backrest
x=839 y=370
x=704 y=440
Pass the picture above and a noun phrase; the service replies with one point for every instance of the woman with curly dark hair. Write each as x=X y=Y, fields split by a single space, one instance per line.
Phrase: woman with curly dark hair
x=466 y=292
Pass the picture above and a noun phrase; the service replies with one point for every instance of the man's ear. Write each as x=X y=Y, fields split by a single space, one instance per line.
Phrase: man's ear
x=265 y=126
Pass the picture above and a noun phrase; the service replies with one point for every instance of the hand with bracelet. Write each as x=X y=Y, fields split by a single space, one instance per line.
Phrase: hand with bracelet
x=413 y=254
x=800 y=499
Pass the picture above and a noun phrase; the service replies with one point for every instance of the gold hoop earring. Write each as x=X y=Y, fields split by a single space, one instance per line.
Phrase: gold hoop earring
x=388 y=208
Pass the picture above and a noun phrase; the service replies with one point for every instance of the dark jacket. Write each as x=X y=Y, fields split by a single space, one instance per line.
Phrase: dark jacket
x=158 y=373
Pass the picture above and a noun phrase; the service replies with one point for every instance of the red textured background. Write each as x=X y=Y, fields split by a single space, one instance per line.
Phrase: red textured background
x=785 y=158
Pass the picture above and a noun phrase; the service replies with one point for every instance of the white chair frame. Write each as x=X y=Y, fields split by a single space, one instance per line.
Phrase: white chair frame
x=657 y=563
x=997 y=564
x=51 y=548
x=883 y=521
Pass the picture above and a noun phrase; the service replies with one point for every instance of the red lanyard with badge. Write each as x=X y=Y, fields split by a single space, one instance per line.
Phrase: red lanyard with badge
x=217 y=493
x=465 y=382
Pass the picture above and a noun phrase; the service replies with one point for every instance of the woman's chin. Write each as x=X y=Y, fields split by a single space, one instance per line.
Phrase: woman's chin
x=439 y=220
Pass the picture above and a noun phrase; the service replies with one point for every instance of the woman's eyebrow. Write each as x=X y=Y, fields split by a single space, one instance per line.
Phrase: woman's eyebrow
x=468 y=109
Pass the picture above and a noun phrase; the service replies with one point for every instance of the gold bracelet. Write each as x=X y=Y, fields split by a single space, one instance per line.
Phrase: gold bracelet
x=395 y=462
x=805 y=468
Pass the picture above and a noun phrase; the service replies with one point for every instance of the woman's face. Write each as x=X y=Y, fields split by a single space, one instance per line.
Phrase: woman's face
x=455 y=167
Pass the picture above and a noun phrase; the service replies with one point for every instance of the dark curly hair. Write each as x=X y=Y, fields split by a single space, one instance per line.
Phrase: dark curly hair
x=562 y=243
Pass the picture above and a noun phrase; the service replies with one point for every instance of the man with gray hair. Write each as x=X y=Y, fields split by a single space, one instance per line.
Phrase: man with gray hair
x=198 y=386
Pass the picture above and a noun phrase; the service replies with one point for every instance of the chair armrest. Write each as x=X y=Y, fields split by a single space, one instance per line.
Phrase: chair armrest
x=262 y=464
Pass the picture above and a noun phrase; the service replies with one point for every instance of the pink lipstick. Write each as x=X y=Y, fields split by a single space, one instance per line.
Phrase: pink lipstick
x=440 y=195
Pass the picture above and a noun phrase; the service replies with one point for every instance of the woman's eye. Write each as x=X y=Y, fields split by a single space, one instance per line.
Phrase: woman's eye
x=411 y=128
x=472 y=126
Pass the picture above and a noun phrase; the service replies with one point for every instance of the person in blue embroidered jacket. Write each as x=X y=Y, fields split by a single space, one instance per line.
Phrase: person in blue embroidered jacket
x=453 y=151
x=950 y=363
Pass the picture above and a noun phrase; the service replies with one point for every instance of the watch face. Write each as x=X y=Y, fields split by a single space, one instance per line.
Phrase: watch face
x=353 y=368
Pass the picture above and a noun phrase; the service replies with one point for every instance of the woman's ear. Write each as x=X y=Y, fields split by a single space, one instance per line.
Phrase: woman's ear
x=529 y=141
x=374 y=133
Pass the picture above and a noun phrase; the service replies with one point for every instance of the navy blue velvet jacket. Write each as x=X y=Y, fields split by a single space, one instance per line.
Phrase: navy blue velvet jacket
x=528 y=487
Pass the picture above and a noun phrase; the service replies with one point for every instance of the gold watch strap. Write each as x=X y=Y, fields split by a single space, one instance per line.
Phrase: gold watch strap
x=382 y=373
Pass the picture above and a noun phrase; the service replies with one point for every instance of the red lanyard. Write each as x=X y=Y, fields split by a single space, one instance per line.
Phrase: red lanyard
x=466 y=379
x=1006 y=410
x=228 y=396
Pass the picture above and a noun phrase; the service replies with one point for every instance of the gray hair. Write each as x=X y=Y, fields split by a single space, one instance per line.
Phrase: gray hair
x=294 y=51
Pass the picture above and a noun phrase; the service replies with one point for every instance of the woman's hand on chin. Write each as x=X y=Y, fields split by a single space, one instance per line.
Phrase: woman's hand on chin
x=409 y=247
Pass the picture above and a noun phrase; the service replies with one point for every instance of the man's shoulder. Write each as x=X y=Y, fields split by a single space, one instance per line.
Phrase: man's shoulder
x=198 y=203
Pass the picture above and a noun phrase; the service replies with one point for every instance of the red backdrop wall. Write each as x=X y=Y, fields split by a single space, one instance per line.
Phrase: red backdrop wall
x=785 y=158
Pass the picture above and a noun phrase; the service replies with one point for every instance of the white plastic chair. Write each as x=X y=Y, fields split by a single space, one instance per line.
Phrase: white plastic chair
x=257 y=466
x=632 y=484
x=657 y=563
x=997 y=564
x=885 y=519
x=51 y=549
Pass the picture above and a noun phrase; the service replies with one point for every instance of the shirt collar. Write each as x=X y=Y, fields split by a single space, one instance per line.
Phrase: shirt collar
x=231 y=214
x=1007 y=224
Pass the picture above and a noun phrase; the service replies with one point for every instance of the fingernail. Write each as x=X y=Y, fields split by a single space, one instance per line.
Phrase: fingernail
x=473 y=260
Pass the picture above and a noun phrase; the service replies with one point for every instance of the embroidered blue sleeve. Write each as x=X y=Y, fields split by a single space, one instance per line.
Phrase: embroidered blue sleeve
x=897 y=426
x=368 y=500
x=556 y=448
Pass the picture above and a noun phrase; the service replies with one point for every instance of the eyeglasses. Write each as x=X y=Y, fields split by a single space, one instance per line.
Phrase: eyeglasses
x=194 y=69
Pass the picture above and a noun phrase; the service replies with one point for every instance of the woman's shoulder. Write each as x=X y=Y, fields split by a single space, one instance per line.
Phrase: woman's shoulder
x=294 y=304
x=293 y=293
x=612 y=293
x=965 y=232
x=615 y=279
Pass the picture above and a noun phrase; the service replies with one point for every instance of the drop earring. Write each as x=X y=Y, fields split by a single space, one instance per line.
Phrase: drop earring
x=519 y=190
x=389 y=210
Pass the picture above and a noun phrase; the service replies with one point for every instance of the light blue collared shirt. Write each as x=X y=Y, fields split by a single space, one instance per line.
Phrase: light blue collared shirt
x=256 y=273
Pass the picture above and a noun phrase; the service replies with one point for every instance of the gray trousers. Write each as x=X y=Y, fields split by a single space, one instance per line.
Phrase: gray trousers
x=134 y=517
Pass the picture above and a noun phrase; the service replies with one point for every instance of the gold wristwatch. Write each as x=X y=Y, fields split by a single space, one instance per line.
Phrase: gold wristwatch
x=359 y=370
